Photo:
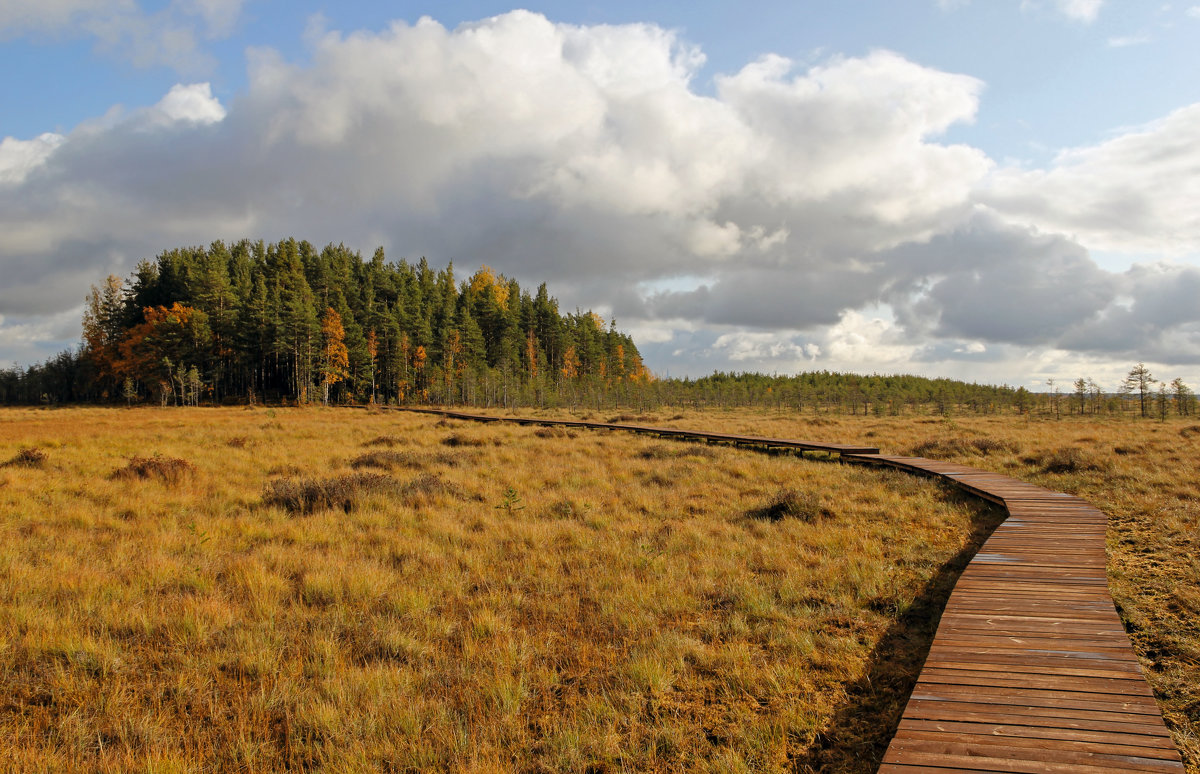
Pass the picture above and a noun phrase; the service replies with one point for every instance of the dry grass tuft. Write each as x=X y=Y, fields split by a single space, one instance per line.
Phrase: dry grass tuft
x=461 y=439
x=947 y=448
x=390 y=460
x=665 y=451
x=428 y=487
x=631 y=418
x=348 y=492
x=345 y=492
x=169 y=470
x=388 y=441
x=1190 y=431
x=566 y=508
x=790 y=503
x=31 y=457
x=1069 y=459
x=238 y=442
x=555 y=432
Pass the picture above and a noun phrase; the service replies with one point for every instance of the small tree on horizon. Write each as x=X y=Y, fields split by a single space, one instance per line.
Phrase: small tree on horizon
x=1184 y=397
x=1141 y=380
x=1081 y=394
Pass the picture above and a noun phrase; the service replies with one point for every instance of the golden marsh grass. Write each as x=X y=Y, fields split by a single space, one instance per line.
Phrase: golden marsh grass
x=557 y=601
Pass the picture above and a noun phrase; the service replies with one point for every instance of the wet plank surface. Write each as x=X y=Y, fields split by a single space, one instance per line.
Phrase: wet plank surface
x=1030 y=669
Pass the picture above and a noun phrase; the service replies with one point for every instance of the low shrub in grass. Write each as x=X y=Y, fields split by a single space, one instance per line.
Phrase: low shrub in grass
x=388 y=441
x=554 y=432
x=943 y=448
x=631 y=418
x=347 y=492
x=666 y=451
x=169 y=470
x=459 y=439
x=27 y=458
x=390 y=460
x=310 y=494
x=790 y=503
x=1068 y=459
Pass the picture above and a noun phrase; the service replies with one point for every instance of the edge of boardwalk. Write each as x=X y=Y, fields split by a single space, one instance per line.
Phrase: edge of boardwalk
x=1030 y=669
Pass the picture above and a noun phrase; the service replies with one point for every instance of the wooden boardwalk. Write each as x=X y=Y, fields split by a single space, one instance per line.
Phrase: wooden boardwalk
x=1030 y=669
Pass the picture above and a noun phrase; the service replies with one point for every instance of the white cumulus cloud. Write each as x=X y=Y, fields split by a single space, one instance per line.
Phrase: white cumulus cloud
x=1135 y=192
x=193 y=103
x=820 y=200
x=19 y=157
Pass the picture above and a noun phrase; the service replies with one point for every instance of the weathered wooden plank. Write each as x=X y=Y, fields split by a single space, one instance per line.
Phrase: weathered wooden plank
x=1030 y=669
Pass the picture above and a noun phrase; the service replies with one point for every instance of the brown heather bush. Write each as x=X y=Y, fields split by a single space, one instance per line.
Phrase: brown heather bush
x=565 y=508
x=426 y=487
x=790 y=503
x=31 y=457
x=621 y=418
x=945 y=448
x=459 y=439
x=1190 y=431
x=1068 y=459
x=388 y=441
x=666 y=451
x=345 y=492
x=555 y=432
x=169 y=470
x=238 y=442
x=390 y=460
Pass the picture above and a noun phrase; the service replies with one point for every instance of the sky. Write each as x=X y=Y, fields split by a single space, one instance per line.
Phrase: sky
x=1002 y=191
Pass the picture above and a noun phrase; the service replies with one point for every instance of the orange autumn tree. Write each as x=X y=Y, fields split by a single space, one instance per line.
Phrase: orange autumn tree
x=102 y=326
x=335 y=357
x=486 y=279
x=162 y=349
x=570 y=368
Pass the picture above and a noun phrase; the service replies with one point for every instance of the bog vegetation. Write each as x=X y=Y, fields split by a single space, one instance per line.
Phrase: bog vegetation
x=320 y=589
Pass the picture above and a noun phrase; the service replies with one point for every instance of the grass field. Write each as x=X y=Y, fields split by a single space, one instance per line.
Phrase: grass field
x=281 y=589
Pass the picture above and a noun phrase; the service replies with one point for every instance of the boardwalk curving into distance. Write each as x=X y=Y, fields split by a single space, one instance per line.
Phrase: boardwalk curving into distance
x=1030 y=669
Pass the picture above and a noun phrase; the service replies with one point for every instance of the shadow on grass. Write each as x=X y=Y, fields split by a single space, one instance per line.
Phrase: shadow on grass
x=858 y=736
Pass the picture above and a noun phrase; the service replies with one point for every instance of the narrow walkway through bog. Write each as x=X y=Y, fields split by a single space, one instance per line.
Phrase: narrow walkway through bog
x=1030 y=669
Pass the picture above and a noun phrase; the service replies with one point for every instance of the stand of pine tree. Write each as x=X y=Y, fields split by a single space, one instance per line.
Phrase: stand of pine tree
x=286 y=322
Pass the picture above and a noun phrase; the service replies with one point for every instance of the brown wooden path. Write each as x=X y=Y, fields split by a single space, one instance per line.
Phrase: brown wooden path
x=1030 y=669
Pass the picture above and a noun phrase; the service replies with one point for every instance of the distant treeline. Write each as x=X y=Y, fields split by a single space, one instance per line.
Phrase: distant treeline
x=285 y=321
x=826 y=391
